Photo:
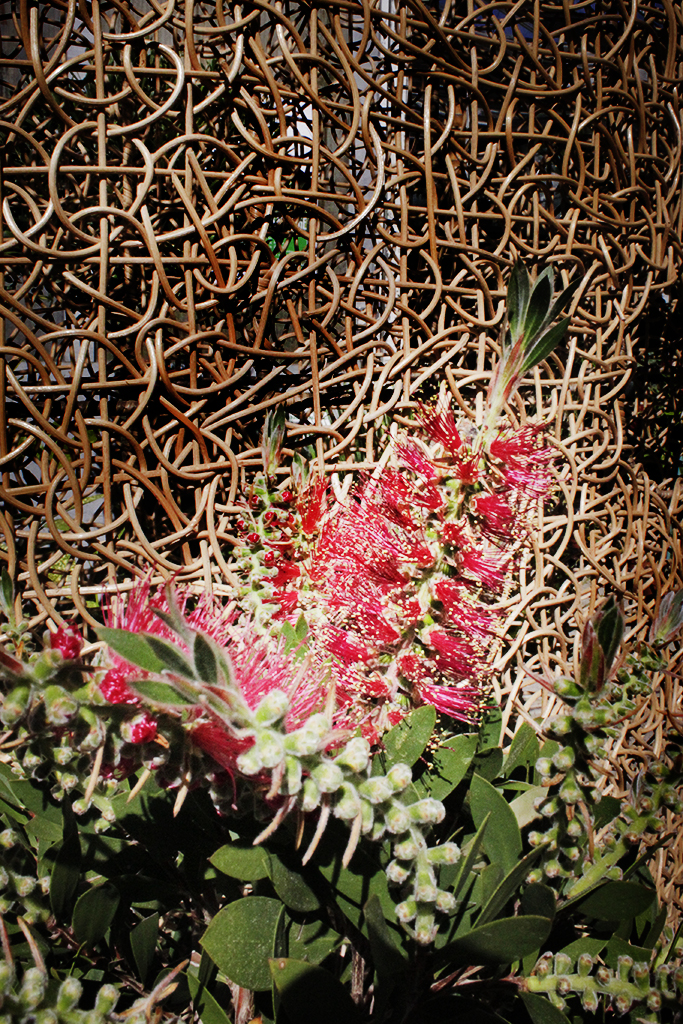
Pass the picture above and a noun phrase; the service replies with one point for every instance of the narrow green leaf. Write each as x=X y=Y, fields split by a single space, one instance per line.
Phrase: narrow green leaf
x=507 y=888
x=310 y=993
x=291 y=887
x=503 y=841
x=491 y=728
x=94 y=913
x=241 y=860
x=66 y=869
x=241 y=938
x=143 y=943
x=518 y=297
x=610 y=631
x=544 y=344
x=616 y=901
x=132 y=647
x=449 y=766
x=540 y=302
x=538 y=899
x=205 y=664
x=524 y=749
x=389 y=958
x=469 y=858
x=173 y=659
x=206 y=1007
x=564 y=298
x=541 y=1010
x=523 y=805
x=406 y=741
x=7 y=593
x=500 y=942
x=155 y=692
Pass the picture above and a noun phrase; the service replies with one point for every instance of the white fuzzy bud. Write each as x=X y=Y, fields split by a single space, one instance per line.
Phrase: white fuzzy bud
x=272 y=708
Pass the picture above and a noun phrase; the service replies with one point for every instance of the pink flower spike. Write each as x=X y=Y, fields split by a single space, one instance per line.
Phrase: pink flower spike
x=497 y=513
x=470 y=618
x=518 y=448
x=486 y=566
x=459 y=702
x=68 y=641
x=453 y=654
x=440 y=425
x=413 y=457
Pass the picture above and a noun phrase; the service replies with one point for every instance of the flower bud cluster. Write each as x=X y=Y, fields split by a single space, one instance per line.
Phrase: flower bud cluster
x=630 y=984
x=306 y=768
x=570 y=778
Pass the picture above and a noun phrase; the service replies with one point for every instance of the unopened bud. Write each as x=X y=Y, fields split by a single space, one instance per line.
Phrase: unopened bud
x=558 y=725
x=564 y=759
x=584 y=965
x=106 y=1000
x=543 y=966
x=399 y=777
x=33 y=987
x=348 y=804
x=328 y=777
x=272 y=708
x=563 y=963
x=397 y=819
x=397 y=873
x=544 y=766
x=406 y=911
x=406 y=850
x=446 y=853
x=446 y=902
x=376 y=790
x=15 y=705
x=292 y=775
x=60 y=707
x=589 y=1000
x=427 y=812
x=641 y=975
x=654 y=1001
x=69 y=993
x=355 y=755
x=310 y=795
x=249 y=762
x=425 y=928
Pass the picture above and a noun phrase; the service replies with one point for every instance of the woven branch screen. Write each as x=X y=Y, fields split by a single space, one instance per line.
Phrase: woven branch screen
x=209 y=209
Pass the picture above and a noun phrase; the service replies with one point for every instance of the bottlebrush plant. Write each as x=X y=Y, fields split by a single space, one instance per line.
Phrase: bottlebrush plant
x=298 y=803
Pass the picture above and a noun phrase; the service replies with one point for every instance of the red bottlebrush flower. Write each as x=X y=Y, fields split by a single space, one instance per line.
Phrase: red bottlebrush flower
x=497 y=514
x=516 y=448
x=288 y=601
x=286 y=572
x=440 y=426
x=115 y=689
x=467 y=470
x=219 y=744
x=459 y=702
x=346 y=646
x=311 y=506
x=68 y=641
x=371 y=623
x=534 y=481
x=414 y=458
x=141 y=729
x=485 y=565
x=453 y=654
x=413 y=667
x=470 y=618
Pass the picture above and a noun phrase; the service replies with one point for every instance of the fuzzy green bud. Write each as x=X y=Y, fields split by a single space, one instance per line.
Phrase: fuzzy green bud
x=589 y=1000
x=355 y=755
x=575 y=828
x=558 y=725
x=615 y=873
x=348 y=804
x=328 y=777
x=446 y=902
x=425 y=928
x=641 y=976
x=310 y=738
x=427 y=812
x=406 y=911
x=603 y=975
x=272 y=708
x=544 y=766
x=406 y=850
x=553 y=869
x=447 y=853
x=310 y=798
x=397 y=819
x=570 y=792
x=376 y=790
x=543 y=966
x=69 y=993
x=367 y=813
x=564 y=759
x=584 y=965
x=397 y=873
x=15 y=705
x=33 y=987
x=624 y=965
x=654 y=1001
x=23 y=885
x=399 y=777
x=8 y=839
x=564 y=985
x=292 y=775
x=60 y=707
x=563 y=963
x=249 y=762
x=271 y=747
x=106 y=1001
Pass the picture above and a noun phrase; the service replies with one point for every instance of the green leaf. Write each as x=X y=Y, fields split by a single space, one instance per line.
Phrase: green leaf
x=353 y=886
x=541 y=1010
x=205 y=1006
x=539 y=305
x=517 y=298
x=488 y=763
x=206 y=667
x=94 y=913
x=617 y=947
x=524 y=749
x=143 y=943
x=388 y=958
x=607 y=810
x=311 y=994
x=538 y=899
x=172 y=659
x=616 y=901
x=449 y=766
x=610 y=631
x=311 y=941
x=65 y=874
x=406 y=741
x=585 y=945
x=491 y=728
x=239 y=860
x=291 y=887
x=241 y=938
x=155 y=692
x=564 y=298
x=500 y=942
x=523 y=805
x=502 y=841
x=132 y=647
x=470 y=855
x=546 y=343
x=507 y=888
x=7 y=593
